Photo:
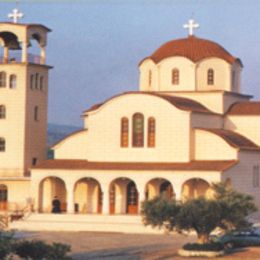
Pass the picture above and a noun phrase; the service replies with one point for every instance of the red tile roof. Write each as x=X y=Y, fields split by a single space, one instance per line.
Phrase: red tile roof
x=179 y=102
x=245 y=108
x=234 y=139
x=139 y=166
x=193 y=48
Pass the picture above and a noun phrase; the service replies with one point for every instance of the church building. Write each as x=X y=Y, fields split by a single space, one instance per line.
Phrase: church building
x=187 y=127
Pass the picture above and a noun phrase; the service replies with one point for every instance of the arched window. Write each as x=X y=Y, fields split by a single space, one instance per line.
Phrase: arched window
x=151 y=132
x=124 y=132
x=138 y=130
x=2 y=144
x=175 y=77
x=31 y=81
x=36 y=116
x=2 y=111
x=210 y=77
x=12 y=81
x=2 y=79
x=41 y=83
x=150 y=78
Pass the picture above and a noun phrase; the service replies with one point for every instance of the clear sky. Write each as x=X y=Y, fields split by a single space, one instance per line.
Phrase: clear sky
x=95 y=46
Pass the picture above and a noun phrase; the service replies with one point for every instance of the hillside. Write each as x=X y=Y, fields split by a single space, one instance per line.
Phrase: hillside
x=57 y=132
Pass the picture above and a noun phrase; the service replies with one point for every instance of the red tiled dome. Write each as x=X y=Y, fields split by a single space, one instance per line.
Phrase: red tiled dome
x=194 y=49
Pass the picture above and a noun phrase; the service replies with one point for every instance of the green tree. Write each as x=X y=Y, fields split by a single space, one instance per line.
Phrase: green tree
x=228 y=209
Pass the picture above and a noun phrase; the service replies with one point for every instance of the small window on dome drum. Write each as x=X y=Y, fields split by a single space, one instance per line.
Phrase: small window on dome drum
x=210 y=77
x=175 y=77
x=150 y=78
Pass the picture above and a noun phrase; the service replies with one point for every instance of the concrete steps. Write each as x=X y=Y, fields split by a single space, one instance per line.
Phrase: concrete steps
x=80 y=222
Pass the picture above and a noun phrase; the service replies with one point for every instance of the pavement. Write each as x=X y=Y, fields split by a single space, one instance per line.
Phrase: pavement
x=120 y=246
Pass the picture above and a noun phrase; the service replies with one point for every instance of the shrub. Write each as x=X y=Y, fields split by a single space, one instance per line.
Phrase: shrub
x=59 y=251
x=204 y=247
x=35 y=249
x=228 y=209
x=6 y=243
x=38 y=250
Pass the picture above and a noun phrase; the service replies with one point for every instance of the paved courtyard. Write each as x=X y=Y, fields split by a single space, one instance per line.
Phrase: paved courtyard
x=118 y=246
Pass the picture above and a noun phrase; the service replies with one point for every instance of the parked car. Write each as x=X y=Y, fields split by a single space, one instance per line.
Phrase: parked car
x=241 y=238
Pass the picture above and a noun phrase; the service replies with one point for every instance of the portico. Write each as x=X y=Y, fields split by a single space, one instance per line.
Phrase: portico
x=116 y=191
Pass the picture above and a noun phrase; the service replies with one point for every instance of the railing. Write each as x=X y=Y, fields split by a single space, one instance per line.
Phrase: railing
x=21 y=213
x=32 y=58
x=8 y=215
x=4 y=221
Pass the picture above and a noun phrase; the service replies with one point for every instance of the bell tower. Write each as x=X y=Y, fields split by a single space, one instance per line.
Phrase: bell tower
x=23 y=97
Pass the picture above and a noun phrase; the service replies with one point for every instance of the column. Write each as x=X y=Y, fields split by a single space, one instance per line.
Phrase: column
x=43 y=55
x=35 y=189
x=105 y=201
x=6 y=54
x=178 y=190
x=141 y=198
x=70 y=199
x=24 y=52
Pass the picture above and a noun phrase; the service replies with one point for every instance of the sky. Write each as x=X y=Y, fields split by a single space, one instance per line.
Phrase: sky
x=95 y=45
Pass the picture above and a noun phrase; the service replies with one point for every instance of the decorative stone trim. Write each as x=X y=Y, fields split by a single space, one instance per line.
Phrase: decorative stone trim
x=183 y=252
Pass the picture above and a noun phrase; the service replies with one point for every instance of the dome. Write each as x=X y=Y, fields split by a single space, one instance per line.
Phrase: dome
x=193 y=48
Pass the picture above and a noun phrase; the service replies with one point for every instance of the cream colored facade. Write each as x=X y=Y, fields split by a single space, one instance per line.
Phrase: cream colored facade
x=23 y=101
x=185 y=129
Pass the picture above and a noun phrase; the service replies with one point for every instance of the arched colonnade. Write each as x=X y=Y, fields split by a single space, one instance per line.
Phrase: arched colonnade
x=121 y=195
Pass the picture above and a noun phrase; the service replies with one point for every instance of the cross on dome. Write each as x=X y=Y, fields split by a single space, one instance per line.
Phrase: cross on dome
x=191 y=25
x=15 y=15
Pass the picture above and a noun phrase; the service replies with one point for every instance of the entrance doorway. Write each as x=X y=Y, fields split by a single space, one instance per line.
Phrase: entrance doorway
x=123 y=197
x=3 y=197
x=166 y=190
x=132 y=199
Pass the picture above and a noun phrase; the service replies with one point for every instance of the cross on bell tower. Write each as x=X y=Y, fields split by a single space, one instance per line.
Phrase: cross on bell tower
x=15 y=15
x=191 y=25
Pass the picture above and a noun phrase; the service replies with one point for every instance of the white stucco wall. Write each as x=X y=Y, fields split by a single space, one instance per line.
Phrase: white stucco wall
x=75 y=146
x=221 y=68
x=192 y=76
x=247 y=125
x=102 y=142
x=209 y=146
x=146 y=67
x=201 y=120
x=241 y=175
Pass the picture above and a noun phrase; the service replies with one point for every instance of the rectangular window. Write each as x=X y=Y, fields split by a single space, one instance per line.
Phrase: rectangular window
x=36 y=80
x=31 y=81
x=41 y=83
x=2 y=145
x=36 y=112
x=256 y=176
x=34 y=161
